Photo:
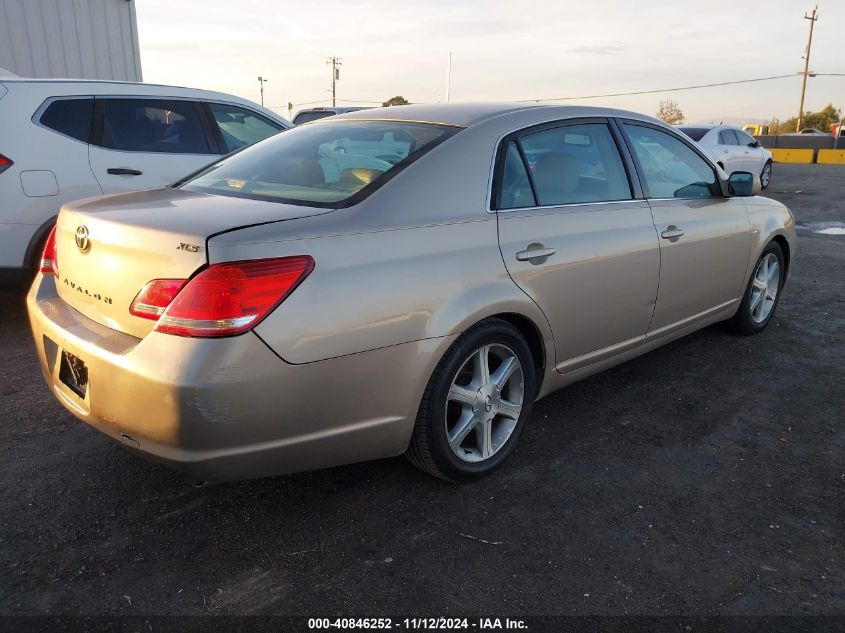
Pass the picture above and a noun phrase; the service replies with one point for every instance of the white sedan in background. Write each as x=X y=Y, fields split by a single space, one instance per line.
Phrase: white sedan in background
x=732 y=149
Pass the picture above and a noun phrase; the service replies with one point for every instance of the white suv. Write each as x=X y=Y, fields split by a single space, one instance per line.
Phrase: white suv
x=66 y=139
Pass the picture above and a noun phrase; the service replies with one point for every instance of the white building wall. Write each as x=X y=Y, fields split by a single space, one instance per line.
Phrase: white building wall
x=79 y=39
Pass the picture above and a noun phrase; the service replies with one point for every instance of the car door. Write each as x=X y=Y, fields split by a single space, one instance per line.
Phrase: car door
x=705 y=236
x=146 y=142
x=575 y=238
x=236 y=127
x=729 y=153
x=752 y=153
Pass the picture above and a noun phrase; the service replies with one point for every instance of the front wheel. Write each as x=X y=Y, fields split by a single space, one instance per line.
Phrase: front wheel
x=766 y=175
x=763 y=292
x=476 y=403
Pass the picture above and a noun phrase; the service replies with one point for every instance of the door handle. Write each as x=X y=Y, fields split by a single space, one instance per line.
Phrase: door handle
x=123 y=171
x=672 y=233
x=534 y=251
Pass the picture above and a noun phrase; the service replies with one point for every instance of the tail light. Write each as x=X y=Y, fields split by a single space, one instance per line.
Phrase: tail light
x=224 y=299
x=5 y=163
x=49 y=263
x=154 y=298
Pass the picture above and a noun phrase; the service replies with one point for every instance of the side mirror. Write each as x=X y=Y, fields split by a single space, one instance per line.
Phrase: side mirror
x=744 y=183
x=754 y=144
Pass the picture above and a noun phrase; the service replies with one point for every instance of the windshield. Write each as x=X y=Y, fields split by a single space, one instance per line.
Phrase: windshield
x=330 y=164
x=695 y=133
x=311 y=115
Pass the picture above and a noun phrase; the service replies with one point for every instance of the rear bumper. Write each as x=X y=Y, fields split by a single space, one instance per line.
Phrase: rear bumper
x=221 y=409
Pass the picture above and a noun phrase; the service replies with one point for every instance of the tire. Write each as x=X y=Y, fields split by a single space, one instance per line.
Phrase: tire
x=751 y=317
x=766 y=175
x=455 y=400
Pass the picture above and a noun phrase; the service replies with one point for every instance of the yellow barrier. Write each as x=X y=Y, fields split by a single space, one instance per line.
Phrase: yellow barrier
x=792 y=155
x=831 y=156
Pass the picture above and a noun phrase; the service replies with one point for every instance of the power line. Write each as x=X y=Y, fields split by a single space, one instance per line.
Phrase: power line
x=305 y=103
x=646 y=92
x=599 y=96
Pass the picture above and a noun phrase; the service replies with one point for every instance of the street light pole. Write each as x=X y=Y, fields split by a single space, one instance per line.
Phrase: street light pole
x=261 y=82
x=812 y=18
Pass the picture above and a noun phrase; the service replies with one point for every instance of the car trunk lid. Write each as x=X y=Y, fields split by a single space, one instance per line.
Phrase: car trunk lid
x=108 y=248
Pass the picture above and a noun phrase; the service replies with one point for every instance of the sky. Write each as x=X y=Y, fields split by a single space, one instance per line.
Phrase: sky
x=502 y=50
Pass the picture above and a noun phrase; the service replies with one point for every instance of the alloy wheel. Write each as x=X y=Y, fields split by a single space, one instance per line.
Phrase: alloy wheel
x=764 y=288
x=484 y=403
x=766 y=176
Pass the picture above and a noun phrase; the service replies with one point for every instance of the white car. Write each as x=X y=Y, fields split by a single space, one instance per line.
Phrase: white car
x=732 y=149
x=61 y=140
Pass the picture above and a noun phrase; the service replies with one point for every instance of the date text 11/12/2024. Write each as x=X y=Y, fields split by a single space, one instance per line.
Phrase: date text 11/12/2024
x=416 y=624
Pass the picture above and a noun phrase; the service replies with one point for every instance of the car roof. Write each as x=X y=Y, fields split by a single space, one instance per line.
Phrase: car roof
x=43 y=88
x=468 y=114
x=68 y=80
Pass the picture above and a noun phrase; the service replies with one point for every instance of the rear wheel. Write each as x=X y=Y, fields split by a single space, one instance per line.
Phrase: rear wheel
x=476 y=403
x=763 y=292
x=766 y=175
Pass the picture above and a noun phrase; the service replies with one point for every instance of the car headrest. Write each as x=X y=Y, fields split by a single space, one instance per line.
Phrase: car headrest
x=294 y=171
x=556 y=172
x=359 y=176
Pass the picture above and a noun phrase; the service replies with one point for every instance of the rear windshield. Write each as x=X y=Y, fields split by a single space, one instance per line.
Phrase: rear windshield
x=695 y=133
x=306 y=117
x=331 y=164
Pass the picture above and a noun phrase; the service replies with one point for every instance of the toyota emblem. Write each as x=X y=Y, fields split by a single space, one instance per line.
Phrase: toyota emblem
x=83 y=243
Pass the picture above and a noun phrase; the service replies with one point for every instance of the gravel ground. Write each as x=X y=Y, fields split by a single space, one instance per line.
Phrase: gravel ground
x=707 y=477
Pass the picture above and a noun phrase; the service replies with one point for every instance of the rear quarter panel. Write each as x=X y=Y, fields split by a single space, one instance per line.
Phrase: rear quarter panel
x=377 y=289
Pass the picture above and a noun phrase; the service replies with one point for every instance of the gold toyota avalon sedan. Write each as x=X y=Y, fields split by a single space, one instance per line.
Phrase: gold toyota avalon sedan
x=399 y=280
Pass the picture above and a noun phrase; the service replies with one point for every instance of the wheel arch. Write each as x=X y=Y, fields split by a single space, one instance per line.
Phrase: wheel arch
x=531 y=334
x=504 y=300
x=33 y=249
x=781 y=241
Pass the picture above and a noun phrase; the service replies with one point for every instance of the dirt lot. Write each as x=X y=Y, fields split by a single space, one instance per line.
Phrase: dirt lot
x=707 y=477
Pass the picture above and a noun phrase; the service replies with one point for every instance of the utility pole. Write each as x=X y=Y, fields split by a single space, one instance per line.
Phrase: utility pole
x=261 y=82
x=812 y=18
x=335 y=62
x=448 y=75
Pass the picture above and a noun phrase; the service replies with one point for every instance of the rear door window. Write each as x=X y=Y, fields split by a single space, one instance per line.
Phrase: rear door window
x=170 y=126
x=727 y=137
x=71 y=117
x=240 y=127
x=514 y=189
x=575 y=164
x=307 y=117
